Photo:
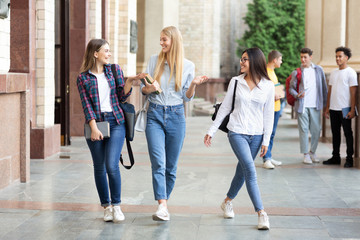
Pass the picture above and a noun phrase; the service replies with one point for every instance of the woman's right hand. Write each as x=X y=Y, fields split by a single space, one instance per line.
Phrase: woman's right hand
x=207 y=140
x=96 y=135
x=151 y=87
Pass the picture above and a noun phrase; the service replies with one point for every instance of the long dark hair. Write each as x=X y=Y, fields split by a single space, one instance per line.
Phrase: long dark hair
x=257 y=64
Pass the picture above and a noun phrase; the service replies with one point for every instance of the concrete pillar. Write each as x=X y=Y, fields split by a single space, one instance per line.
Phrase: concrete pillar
x=78 y=39
x=113 y=28
x=333 y=31
x=200 y=26
x=353 y=33
x=313 y=28
x=95 y=19
x=5 y=45
x=45 y=63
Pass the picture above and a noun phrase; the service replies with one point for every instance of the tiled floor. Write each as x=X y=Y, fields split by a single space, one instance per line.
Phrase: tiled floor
x=304 y=202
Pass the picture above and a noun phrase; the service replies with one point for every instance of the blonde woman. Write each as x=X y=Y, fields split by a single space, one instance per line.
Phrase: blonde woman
x=100 y=95
x=165 y=128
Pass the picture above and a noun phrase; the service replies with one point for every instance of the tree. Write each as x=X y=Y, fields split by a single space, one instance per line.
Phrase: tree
x=276 y=25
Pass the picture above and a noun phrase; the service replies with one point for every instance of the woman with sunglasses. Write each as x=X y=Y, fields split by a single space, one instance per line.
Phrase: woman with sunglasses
x=250 y=127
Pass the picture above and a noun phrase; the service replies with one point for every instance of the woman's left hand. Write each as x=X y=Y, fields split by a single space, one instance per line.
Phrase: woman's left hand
x=200 y=79
x=263 y=150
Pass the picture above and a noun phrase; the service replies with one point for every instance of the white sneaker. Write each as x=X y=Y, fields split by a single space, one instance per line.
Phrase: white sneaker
x=314 y=158
x=108 y=214
x=263 y=221
x=307 y=159
x=276 y=163
x=228 y=209
x=162 y=214
x=268 y=165
x=118 y=214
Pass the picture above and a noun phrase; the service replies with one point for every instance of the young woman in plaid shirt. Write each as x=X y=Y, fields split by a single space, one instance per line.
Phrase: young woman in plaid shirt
x=100 y=95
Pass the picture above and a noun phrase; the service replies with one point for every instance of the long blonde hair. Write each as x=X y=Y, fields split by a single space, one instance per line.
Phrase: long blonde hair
x=94 y=45
x=176 y=57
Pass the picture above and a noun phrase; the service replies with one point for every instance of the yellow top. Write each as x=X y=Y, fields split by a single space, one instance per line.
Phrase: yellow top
x=275 y=80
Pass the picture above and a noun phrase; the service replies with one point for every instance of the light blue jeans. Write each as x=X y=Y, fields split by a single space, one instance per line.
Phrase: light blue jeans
x=246 y=148
x=165 y=132
x=309 y=120
x=106 y=155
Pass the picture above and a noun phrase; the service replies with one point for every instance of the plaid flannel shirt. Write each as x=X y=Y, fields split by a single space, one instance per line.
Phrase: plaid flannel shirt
x=89 y=94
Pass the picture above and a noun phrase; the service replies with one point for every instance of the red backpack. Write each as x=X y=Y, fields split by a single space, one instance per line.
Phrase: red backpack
x=290 y=98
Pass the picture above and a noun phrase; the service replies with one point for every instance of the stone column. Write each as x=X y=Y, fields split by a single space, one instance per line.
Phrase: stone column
x=95 y=19
x=126 y=59
x=45 y=135
x=353 y=33
x=5 y=45
x=333 y=31
x=200 y=26
x=313 y=28
x=78 y=34
x=45 y=63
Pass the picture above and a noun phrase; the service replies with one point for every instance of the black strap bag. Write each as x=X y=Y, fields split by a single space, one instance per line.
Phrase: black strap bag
x=225 y=122
x=129 y=114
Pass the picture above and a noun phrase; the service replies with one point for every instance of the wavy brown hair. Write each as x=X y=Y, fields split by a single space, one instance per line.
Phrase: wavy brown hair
x=94 y=45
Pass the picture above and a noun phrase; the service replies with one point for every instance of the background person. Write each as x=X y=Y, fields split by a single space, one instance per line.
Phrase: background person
x=100 y=94
x=311 y=99
x=165 y=127
x=342 y=94
x=274 y=61
x=250 y=127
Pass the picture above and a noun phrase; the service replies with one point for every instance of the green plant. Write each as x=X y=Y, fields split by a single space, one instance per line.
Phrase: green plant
x=276 y=25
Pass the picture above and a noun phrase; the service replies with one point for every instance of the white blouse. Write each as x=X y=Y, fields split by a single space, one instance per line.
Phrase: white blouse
x=253 y=112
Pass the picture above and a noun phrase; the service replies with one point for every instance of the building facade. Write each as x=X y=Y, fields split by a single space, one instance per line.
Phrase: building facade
x=43 y=42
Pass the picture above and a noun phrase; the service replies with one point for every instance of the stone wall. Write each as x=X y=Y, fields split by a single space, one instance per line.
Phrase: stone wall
x=5 y=45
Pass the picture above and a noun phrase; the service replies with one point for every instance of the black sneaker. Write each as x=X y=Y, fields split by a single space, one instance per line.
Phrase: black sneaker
x=332 y=161
x=349 y=163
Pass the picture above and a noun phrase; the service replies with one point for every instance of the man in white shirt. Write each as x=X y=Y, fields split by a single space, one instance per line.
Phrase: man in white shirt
x=340 y=106
x=311 y=99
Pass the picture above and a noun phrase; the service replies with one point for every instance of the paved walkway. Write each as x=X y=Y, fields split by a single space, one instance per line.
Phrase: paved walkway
x=304 y=202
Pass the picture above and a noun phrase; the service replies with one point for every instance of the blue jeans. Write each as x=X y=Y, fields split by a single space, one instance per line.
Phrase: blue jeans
x=106 y=155
x=246 y=148
x=165 y=132
x=268 y=155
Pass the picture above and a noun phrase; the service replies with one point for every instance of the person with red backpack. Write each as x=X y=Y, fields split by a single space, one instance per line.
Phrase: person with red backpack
x=311 y=97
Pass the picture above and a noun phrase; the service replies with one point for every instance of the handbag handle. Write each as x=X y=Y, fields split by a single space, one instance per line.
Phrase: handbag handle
x=130 y=152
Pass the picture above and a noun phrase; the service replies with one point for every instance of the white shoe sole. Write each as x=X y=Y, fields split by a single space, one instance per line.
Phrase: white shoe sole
x=268 y=167
x=225 y=215
x=159 y=218
x=119 y=220
x=277 y=163
x=263 y=227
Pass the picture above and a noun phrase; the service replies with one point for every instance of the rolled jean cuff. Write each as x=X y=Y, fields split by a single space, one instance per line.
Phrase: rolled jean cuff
x=115 y=204
x=257 y=210
x=160 y=198
x=105 y=204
